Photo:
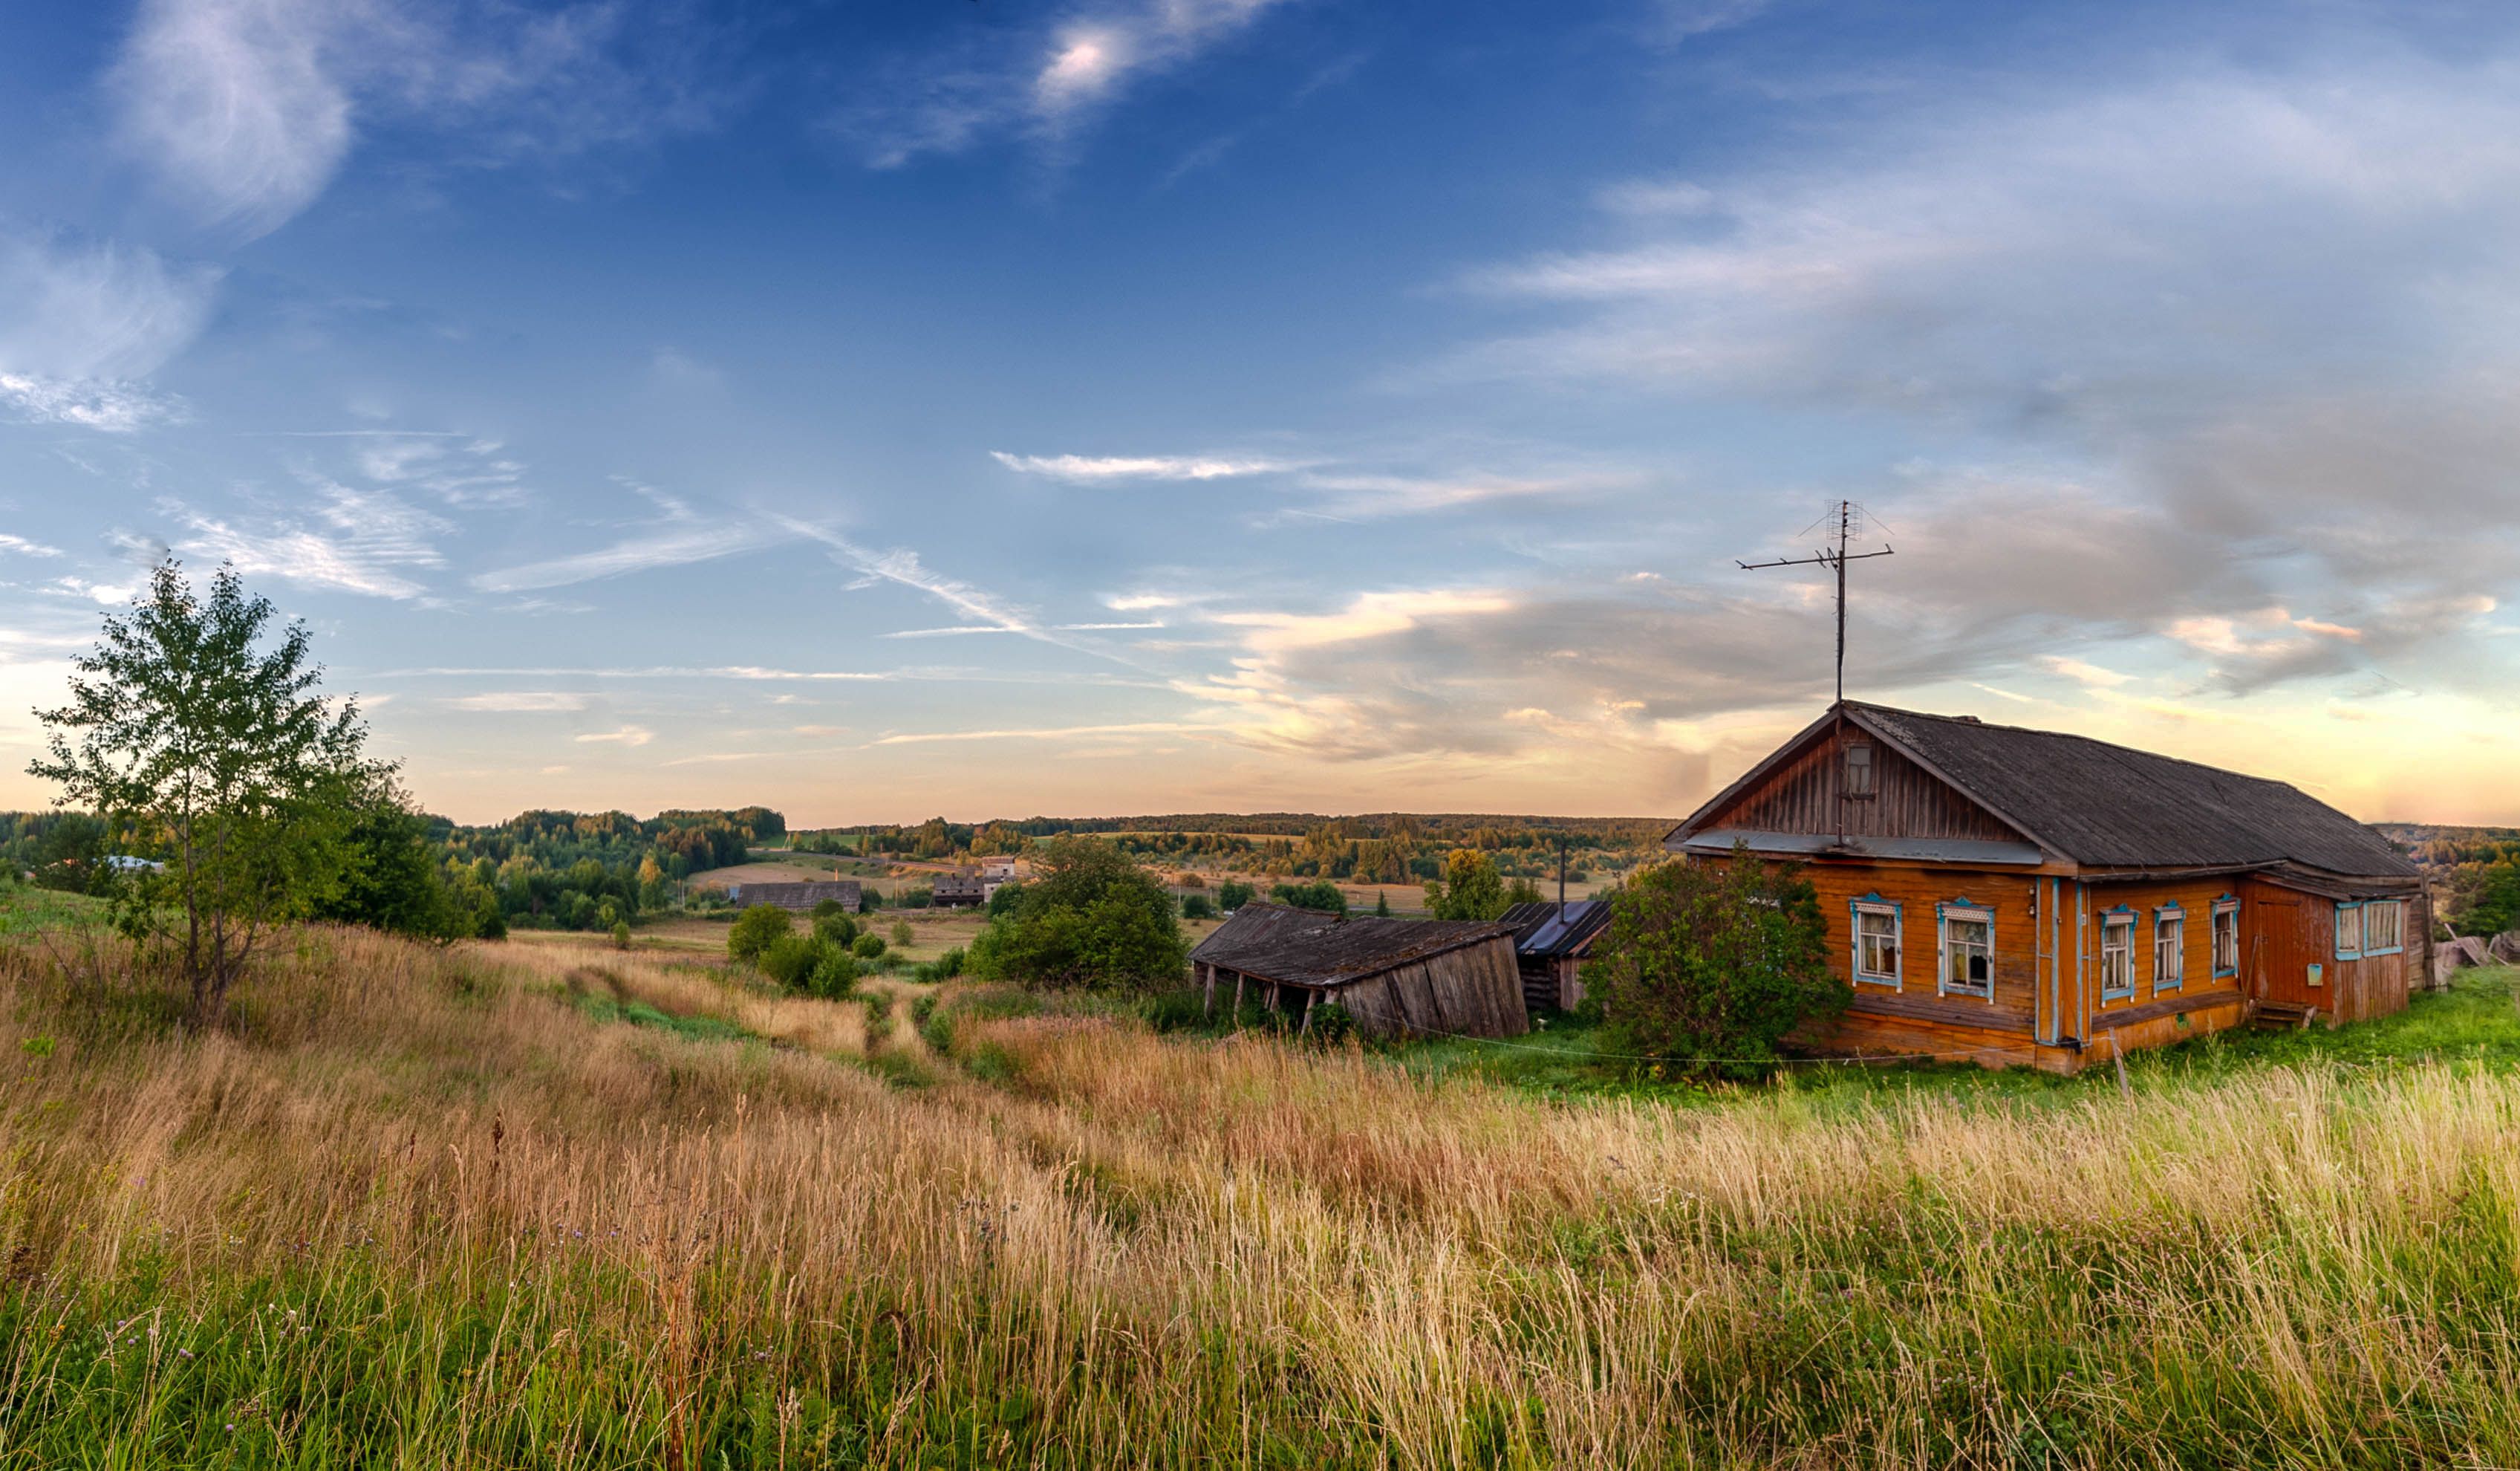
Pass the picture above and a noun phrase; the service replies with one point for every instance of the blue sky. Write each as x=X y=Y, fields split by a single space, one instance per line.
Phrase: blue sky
x=984 y=409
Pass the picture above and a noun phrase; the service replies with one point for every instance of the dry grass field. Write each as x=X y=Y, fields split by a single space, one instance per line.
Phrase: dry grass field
x=561 y=1206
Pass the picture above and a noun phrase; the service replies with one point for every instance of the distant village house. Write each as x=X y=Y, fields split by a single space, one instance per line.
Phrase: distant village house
x=800 y=897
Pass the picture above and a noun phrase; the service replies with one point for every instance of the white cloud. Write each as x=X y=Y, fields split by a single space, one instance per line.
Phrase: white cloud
x=627 y=735
x=246 y=108
x=673 y=546
x=1045 y=733
x=24 y=548
x=2080 y=672
x=357 y=542
x=1044 y=84
x=1091 y=469
x=79 y=323
x=518 y=702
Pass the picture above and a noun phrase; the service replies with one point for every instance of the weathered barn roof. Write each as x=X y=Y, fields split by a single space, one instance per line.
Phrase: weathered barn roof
x=2113 y=806
x=1547 y=931
x=1306 y=947
x=805 y=896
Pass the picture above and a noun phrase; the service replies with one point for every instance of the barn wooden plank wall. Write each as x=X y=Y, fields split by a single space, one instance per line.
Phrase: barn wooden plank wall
x=1469 y=991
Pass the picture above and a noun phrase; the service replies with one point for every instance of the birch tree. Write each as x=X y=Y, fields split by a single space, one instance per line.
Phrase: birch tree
x=217 y=760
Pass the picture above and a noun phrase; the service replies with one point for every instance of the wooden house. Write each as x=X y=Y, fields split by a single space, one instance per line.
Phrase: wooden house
x=1395 y=976
x=801 y=898
x=1551 y=944
x=961 y=889
x=2017 y=895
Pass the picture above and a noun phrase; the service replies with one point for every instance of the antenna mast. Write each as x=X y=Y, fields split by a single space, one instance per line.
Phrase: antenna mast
x=1847 y=514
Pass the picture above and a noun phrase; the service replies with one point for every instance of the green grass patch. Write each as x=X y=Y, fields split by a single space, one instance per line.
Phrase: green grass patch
x=695 y=1029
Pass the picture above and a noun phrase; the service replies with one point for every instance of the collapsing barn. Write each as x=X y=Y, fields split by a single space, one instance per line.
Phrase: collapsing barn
x=1395 y=976
x=1551 y=944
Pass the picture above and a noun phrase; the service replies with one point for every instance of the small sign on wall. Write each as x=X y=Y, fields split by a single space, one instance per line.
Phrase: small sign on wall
x=2317 y=974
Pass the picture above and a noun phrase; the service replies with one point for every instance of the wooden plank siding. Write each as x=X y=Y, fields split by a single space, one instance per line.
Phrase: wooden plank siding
x=1471 y=990
x=1909 y=802
x=2286 y=932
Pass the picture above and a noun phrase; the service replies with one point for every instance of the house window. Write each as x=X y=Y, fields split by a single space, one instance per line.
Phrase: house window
x=2169 y=949
x=2349 y=932
x=2384 y=927
x=1876 y=942
x=2117 y=956
x=2227 y=937
x=1858 y=770
x=1968 y=950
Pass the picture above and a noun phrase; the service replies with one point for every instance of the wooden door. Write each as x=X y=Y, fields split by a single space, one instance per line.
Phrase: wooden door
x=2284 y=949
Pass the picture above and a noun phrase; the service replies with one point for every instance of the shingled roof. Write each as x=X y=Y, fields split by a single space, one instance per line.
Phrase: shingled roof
x=2113 y=806
x=1306 y=947
x=1549 y=930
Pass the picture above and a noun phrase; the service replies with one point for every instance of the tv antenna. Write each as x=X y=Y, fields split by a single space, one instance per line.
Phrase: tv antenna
x=1850 y=519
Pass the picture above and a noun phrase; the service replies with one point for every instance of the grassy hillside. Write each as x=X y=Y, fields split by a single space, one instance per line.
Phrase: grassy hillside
x=499 y=1206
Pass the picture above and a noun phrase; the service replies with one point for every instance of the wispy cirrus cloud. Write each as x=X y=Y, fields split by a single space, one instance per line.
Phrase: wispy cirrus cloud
x=82 y=322
x=350 y=540
x=1043 y=85
x=520 y=702
x=681 y=535
x=627 y=735
x=246 y=109
x=21 y=547
x=1095 y=469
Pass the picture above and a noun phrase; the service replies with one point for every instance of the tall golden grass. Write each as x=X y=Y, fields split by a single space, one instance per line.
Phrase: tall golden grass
x=434 y=1208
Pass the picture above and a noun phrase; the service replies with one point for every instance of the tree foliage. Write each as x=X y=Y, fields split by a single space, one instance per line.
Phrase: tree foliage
x=1708 y=966
x=203 y=753
x=1320 y=895
x=754 y=930
x=1470 y=887
x=1090 y=918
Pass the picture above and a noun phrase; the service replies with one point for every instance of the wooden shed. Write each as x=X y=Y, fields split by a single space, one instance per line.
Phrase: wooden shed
x=800 y=897
x=1551 y=944
x=1396 y=977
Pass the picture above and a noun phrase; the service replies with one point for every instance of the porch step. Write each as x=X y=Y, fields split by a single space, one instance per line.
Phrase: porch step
x=2282 y=1016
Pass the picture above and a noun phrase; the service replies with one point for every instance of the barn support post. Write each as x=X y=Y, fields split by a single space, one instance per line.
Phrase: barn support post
x=1308 y=1014
x=1273 y=998
x=1238 y=1000
x=1207 y=983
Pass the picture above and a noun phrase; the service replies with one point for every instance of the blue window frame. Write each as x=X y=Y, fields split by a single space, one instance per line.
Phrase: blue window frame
x=1965 y=932
x=2227 y=937
x=2117 y=954
x=2384 y=927
x=1874 y=939
x=2349 y=930
x=2169 y=949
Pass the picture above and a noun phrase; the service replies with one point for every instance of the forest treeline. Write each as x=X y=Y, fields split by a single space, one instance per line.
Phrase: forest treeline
x=539 y=869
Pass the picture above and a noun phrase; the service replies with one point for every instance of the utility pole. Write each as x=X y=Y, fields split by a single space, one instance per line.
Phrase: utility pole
x=1847 y=514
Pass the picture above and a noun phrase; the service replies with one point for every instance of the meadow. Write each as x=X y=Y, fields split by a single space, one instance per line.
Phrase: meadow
x=507 y=1205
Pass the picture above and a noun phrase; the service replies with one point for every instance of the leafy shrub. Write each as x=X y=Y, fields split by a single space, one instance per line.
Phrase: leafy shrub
x=901 y=934
x=1329 y=1022
x=835 y=976
x=1470 y=887
x=1192 y=881
x=1091 y=918
x=920 y=898
x=1197 y=906
x=1233 y=895
x=1708 y=966
x=753 y=929
x=621 y=935
x=950 y=964
x=835 y=928
x=792 y=959
x=1003 y=900
x=1320 y=895
x=867 y=946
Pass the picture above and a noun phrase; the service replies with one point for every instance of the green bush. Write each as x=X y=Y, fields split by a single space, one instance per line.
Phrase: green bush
x=867 y=946
x=1320 y=895
x=835 y=976
x=621 y=935
x=1233 y=895
x=1091 y=918
x=901 y=934
x=753 y=929
x=1003 y=901
x=834 y=928
x=1328 y=1022
x=1707 y=966
x=792 y=959
x=1197 y=906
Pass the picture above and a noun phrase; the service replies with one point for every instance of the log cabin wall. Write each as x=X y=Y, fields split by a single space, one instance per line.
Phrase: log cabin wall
x=1804 y=796
x=2294 y=960
x=1915 y=1014
x=2161 y=1010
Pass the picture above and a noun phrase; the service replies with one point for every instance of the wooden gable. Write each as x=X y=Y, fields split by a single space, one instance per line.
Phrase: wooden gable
x=1804 y=791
